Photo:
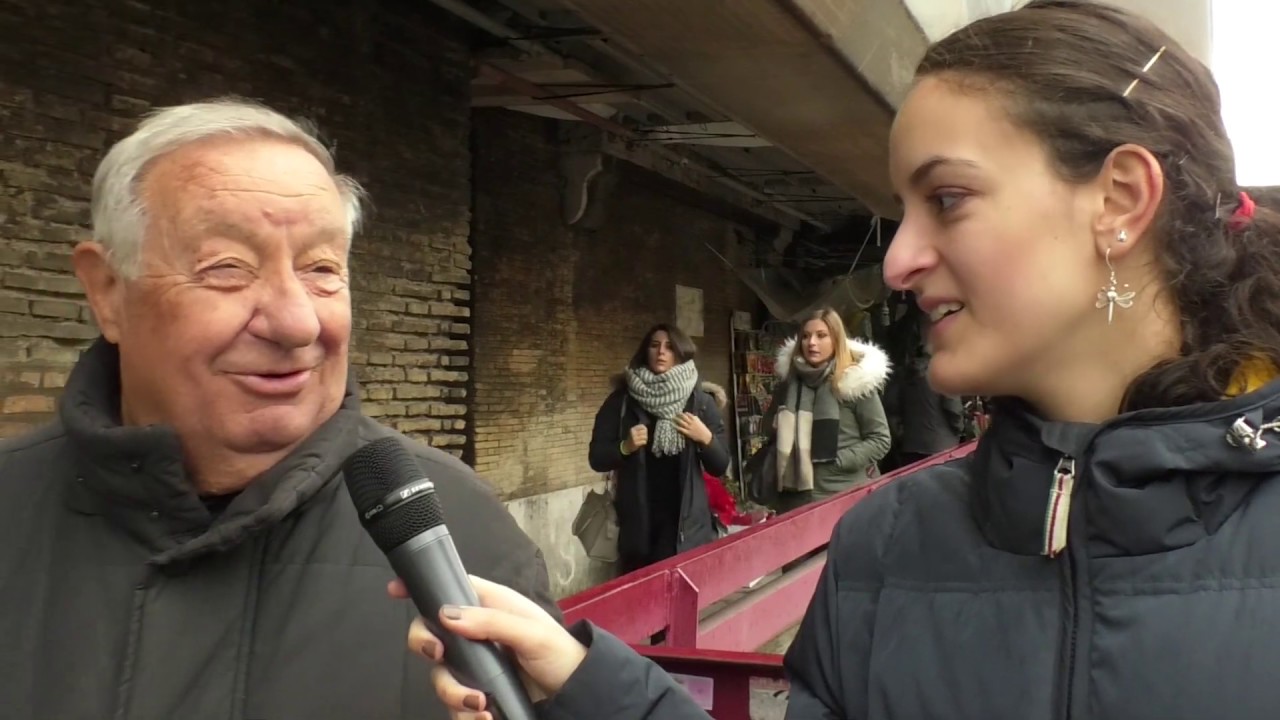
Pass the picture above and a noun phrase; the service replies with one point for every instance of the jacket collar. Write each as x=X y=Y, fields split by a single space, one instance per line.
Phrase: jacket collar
x=1148 y=481
x=866 y=376
x=136 y=478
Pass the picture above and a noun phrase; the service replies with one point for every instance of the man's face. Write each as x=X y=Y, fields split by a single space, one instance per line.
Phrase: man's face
x=236 y=330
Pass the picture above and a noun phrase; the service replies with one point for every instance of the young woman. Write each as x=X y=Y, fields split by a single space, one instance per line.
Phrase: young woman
x=1073 y=226
x=826 y=411
x=658 y=430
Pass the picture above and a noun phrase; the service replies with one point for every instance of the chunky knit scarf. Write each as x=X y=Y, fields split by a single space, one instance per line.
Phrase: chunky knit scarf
x=808 y=424
x=664 y=397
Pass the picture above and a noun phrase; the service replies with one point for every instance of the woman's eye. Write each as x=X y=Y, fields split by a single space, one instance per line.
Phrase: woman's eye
x=947 y=200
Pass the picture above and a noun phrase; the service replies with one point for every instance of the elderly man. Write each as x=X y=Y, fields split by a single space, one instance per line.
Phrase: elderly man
x=179 y=543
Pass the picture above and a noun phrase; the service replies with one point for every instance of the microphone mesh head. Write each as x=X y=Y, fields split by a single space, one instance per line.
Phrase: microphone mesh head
x=377 y=469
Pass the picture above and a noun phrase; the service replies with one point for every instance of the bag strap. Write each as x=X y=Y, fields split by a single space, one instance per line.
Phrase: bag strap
x=611 y=478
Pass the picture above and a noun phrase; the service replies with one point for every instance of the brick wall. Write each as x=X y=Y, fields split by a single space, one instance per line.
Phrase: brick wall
x=388 y=84
x=560 y=310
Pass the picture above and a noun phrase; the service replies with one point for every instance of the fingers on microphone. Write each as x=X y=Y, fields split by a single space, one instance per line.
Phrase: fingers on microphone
x=503 y=626
x=461 y=699
x=421 y=641
x=396 y=589
x=493 y=595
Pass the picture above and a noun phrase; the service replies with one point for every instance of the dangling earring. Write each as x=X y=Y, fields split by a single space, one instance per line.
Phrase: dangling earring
x=1111 y=294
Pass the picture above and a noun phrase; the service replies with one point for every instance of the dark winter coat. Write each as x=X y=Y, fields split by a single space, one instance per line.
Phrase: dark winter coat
x=931 y=422
x=122 y=597
x=938 y=600
x=612 y=424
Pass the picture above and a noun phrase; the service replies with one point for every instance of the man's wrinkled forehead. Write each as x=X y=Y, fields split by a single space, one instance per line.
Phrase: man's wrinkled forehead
x=245 y=191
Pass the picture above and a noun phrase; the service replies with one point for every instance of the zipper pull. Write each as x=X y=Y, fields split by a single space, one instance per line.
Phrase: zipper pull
x=1059 y=509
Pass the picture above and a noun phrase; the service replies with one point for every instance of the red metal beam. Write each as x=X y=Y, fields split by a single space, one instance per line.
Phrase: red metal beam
x=730 y=675
x=633 y=610
x=670 y=593
x=764 y=614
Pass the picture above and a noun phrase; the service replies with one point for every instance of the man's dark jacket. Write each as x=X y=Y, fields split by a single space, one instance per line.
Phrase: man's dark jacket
x=122 y=596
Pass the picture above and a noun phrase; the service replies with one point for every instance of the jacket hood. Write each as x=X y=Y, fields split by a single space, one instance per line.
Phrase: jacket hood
x=868 y=374
x=717 y=392
x=136 y=475
x=1153 y=480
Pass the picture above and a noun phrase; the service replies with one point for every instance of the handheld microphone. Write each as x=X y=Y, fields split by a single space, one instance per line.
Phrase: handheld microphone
x=399 y=509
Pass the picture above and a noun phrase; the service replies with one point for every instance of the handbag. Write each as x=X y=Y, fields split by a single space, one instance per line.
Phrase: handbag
x=760 y=475
x=596 y=524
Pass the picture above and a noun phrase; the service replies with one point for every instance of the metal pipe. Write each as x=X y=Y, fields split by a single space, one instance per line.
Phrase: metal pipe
x=533 y=90
x=484 y=22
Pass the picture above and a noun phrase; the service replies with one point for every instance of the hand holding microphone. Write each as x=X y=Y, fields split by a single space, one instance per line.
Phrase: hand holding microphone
x=546 y=652
x=399 y=509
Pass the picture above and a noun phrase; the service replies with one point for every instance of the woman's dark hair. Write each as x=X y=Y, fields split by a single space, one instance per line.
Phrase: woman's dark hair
x=681 y=346
x=1063 y=68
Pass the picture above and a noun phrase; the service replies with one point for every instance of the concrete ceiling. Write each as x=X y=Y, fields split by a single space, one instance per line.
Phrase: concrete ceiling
x=782 y=102
x=782 y=68
x=789 y=100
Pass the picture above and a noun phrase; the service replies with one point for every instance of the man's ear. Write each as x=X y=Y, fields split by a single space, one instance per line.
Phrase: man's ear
x=102 y=285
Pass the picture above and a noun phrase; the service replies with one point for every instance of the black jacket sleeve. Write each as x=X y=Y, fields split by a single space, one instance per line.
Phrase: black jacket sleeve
x=715 y=457
x=605 y=452
x=616 y=683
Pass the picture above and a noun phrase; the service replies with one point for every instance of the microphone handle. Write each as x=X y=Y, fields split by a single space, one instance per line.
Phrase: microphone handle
x=432 y=572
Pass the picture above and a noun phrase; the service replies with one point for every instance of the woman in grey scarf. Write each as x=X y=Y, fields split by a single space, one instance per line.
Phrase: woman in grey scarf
x=826 y=411
x=657 y=432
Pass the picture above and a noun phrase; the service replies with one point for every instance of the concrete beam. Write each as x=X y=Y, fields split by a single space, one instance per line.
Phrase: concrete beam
x=761 y=63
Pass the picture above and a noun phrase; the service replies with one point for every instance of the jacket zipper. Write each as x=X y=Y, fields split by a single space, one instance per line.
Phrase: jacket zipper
x=1057 y=522
x=1071 y=641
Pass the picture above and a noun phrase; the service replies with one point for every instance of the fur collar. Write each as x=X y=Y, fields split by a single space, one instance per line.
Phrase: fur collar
x=717 y=392
x=867 y=375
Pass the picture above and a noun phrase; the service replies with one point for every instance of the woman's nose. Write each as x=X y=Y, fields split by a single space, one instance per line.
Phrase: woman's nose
x=909 y=257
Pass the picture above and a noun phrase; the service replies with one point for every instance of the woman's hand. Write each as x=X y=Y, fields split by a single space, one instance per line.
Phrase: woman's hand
x=692 y=427
x=637 y=437
x=546 y=652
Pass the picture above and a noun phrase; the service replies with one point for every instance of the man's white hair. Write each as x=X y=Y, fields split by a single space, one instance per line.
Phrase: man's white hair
x=119 y=215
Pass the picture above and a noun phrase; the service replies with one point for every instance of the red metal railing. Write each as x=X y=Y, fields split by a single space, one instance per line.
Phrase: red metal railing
x=671 y=595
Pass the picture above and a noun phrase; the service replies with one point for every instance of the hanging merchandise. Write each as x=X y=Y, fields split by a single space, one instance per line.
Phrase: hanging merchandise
x=754 y=353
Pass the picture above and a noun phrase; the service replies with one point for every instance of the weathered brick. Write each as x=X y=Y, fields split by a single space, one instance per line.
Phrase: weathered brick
x=448 y=376
x=419 y=425
x=381 y=374
x=60 y=284
x=15 y=305
x=54 y=380
x=416 y=360
x=90 y=79
x=55 y=354
x=449 y=310
x=55 y=309
x=20 y=378
x=15 y=404
x=414 y=392
x=557 y=311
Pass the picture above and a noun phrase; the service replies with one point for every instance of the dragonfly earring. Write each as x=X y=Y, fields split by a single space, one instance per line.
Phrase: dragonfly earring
x=1113 y=294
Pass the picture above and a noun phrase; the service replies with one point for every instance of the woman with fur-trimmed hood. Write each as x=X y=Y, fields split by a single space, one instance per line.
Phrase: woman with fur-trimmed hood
x=658 y=430
x=829 y=422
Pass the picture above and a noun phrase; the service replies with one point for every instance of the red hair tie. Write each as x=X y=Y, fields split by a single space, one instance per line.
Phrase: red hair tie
x=1243 y=215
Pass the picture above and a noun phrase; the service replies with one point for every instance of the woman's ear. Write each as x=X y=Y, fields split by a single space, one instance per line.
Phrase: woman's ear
x=1131 y=187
